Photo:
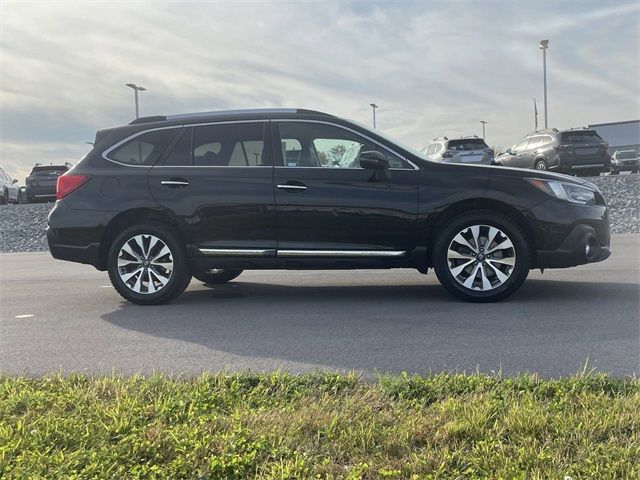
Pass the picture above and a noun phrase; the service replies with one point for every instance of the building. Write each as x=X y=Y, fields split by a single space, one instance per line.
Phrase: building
x=620 y=135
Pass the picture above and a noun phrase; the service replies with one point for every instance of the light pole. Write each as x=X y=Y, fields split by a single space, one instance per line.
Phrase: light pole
x=483 y=124
x=136 y=89
x=544 y=44
x=373 y=107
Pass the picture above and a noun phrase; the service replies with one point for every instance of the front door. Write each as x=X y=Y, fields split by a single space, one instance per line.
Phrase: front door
x=217 y=181
x=326 y=202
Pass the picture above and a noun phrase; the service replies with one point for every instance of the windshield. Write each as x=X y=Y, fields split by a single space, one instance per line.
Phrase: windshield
x=625 y=154
x=394 y=141
x=467 y=144
x=584 y=136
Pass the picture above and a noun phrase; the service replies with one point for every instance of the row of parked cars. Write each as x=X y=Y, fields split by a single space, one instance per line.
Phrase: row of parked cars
x=40 y=184
x=580 y=152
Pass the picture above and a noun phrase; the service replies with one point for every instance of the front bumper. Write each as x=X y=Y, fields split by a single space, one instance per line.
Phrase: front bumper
x=582 y=245
x=625 y=165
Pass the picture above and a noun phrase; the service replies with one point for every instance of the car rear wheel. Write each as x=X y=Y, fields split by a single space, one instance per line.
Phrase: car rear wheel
x=4 y=198
x=541 y=165
x=216 y=276
x=481 y=256
x=148 y=265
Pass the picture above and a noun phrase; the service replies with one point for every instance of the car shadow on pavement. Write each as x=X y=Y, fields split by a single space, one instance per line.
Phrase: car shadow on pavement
x=414 y=327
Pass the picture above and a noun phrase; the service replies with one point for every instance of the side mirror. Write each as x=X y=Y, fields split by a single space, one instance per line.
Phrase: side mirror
x=372 y=160
x=509 y=151
x=15 y=180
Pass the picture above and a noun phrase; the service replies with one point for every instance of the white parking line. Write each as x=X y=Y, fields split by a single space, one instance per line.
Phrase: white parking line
x=27 y=315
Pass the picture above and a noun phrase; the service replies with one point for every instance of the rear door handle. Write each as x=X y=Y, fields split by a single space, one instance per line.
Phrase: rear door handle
x=292 y=187
x=175 y=182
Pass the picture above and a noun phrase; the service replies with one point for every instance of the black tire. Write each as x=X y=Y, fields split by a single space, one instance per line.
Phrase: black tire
x=179 y=277
x=540 y=165
x=213 y=277
x=4 y=198
x=517 y=274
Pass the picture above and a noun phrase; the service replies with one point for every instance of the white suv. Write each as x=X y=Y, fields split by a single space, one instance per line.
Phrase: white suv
x=459 y=150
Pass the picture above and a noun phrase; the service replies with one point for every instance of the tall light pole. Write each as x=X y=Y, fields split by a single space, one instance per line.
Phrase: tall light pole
x=483 y=124
x=136 y=89
x=544 y=44
x=373 y=107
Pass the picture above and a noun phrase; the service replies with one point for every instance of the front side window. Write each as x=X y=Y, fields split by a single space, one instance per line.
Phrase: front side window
x=432 y=149
x=144 y=149
x=308 y=144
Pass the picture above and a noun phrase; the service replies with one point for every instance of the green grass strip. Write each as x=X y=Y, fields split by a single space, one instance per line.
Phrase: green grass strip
x=277 y=426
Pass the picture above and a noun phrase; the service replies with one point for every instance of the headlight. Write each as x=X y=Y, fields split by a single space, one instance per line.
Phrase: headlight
x=565 y=191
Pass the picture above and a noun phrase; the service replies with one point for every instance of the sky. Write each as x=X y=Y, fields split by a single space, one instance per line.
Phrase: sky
x=434 y=68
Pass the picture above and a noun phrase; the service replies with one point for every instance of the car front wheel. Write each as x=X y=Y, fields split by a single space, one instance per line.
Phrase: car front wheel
x=148 y=265
x=216 y=276
x=481 y=256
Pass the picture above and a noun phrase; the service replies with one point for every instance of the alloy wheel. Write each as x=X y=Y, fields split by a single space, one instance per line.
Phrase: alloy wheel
x=481 y=257
x=145 y=264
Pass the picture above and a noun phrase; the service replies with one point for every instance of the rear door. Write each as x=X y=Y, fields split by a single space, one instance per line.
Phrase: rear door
x=217 y=180
x=325 y=201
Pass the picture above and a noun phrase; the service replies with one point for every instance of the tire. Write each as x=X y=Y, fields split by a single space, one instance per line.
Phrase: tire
x=455 y=278
x=212 y=277
x=4 y=198
x=168 y=269
x=541 y=165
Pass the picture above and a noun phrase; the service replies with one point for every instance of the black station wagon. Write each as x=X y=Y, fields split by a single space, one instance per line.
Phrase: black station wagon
x=209 y=195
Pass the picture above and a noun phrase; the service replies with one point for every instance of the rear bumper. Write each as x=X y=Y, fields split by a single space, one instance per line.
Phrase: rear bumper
x=41 y=192
x=76 y=235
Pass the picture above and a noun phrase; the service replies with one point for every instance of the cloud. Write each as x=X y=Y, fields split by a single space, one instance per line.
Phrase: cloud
x=435 y=68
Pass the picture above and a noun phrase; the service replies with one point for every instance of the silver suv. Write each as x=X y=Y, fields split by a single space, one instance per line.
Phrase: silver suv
x=459 y=150
x=625 y=161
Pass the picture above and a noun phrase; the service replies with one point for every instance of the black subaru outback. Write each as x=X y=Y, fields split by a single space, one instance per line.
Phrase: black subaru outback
x=209 y=195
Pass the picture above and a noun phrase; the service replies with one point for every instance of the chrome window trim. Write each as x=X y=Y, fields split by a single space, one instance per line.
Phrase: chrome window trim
x=340 y=253
x=356 y=132
x=142 y=132
x=236 y=252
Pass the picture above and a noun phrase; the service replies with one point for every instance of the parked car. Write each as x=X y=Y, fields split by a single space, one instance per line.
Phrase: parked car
x=9 y=191
x=459 y=150
x=625 y=161
x=210 y=195
x=576 y=152
x=41 y=182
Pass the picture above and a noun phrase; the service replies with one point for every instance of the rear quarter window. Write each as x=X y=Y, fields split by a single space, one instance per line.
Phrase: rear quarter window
x=145 y=149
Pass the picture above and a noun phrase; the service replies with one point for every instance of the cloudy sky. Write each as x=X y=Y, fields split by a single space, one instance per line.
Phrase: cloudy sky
x=435 y=68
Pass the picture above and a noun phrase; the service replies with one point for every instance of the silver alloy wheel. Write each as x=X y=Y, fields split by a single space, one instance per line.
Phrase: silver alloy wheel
x=145 y=264
x=541 y=166
x=481 y=257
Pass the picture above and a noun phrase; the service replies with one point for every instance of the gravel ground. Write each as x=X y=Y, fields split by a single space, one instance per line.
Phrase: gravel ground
x=22 y=226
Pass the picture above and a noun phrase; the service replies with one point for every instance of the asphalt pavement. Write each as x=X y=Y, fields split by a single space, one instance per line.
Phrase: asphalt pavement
x=60 y=316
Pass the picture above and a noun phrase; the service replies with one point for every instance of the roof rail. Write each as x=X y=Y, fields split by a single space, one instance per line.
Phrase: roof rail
x=181 y=116
x=439 y=139
x=544 y=130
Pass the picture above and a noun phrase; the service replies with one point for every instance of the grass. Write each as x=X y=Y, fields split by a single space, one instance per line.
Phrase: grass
x=319 y=426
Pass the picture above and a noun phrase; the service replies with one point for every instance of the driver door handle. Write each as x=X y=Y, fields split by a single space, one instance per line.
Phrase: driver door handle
x=175 y=182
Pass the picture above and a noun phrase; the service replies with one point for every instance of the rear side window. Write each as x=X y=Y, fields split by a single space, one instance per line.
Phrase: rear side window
x=230 y=145
x=431 y=149
x=144 y=149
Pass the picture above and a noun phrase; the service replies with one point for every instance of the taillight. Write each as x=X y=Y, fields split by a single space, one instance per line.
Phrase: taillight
x=68 y=183
x=447 y=154
x=562 y=147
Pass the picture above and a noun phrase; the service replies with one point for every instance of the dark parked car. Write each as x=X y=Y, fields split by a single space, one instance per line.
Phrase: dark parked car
x=459 y=150
x=9 y=191
x=211 y=195
x=625 y=161
x=41 y=182
x=576 y=152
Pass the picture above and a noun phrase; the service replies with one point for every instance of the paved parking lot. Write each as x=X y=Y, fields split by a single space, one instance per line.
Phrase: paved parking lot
x=63 y=316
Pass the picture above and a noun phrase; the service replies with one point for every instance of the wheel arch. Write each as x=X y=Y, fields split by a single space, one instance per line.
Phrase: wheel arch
x=129 y=218
x=471 y=204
